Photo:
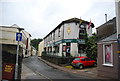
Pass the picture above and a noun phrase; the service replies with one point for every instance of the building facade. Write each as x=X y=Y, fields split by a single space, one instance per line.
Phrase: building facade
x=8 y=37
x=9 y=50
x=33 y=51
x=118 y=31
x=40 y=48
x=108 y=62
x=68 y=38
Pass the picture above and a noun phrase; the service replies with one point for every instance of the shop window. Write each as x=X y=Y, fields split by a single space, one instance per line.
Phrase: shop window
x=107 y=55
x=64 y=48
x=56 y=49
x=50 y=49
x=81 y=48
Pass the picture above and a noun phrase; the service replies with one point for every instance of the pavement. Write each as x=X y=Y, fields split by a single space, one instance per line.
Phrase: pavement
x=88 y=72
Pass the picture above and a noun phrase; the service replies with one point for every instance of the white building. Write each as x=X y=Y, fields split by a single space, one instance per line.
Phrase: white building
x=40 y=48
x=68 y=38
x=8 y=36
x=33 y=51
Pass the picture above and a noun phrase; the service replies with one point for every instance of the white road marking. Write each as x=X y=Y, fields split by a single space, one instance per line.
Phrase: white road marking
x=43 y=76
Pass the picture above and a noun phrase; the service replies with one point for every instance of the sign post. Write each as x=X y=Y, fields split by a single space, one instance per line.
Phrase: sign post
x=18 y=38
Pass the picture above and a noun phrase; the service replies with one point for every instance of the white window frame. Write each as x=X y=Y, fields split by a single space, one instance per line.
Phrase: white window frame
x=104 y=63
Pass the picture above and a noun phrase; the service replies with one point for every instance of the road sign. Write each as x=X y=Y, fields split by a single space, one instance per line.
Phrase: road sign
x=7 y=71
x=18 y=36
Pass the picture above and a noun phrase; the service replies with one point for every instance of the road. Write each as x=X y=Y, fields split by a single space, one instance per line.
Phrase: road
x=40 y=70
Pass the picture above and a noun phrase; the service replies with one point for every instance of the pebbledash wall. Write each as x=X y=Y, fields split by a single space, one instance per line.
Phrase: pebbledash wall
x=68 y=38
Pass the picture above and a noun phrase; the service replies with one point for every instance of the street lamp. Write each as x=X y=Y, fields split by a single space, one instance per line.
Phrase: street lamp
x=16 y=65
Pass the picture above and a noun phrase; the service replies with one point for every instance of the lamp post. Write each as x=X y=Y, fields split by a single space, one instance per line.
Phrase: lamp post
x=17 y=39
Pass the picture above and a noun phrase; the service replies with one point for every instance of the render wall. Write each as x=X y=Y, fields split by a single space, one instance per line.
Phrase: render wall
x=105 y=70
x=9 y=37
x=71 y=31
x=40 y=48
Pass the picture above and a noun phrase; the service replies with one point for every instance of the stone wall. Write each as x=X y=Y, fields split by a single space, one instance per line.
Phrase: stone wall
x=58 y=60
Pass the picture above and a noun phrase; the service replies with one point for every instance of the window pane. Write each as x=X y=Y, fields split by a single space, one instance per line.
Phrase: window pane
x=108 y=53
x=77 y=59
x=87 y=59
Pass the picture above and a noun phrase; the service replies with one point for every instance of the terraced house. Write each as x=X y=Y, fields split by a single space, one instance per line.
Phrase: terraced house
x=68 y=38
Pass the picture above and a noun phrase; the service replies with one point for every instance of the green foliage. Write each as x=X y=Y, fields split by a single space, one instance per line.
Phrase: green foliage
x=35 y=43
x=91 y=47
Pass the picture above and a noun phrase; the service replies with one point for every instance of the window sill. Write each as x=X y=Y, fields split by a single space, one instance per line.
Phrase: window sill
x=110 y=65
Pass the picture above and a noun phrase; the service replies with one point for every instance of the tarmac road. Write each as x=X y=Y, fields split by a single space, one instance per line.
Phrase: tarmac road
x=36 y=69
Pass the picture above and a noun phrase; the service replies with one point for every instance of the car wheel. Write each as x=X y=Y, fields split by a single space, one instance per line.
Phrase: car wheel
x=73 y=66
x=95 y=64
x=81 y=66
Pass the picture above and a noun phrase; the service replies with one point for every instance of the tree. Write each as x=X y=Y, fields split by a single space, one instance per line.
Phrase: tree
x=35 y=43
x=91 y=47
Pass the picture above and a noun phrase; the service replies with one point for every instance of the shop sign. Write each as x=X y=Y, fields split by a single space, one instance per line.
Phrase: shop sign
x=74 y=41
x=58 y=42
x=81 y=41
x=8 y=71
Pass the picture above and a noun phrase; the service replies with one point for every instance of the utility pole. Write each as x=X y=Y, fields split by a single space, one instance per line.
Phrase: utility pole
x=18 y=38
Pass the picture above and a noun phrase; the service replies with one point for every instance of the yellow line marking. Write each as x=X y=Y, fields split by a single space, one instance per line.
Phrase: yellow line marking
x=118 y=51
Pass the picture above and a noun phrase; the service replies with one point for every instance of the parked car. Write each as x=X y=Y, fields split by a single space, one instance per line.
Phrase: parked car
x=83 y=61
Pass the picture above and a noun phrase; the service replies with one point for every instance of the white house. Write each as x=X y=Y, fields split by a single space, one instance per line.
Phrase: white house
x=8 y=37
x=68 y=38
x=40 y=48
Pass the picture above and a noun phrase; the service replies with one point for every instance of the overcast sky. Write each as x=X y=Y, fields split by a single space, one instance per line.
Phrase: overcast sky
x=39 y=17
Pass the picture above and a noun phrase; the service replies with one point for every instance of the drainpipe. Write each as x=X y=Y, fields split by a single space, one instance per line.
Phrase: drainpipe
x=117 y=5
x=106 y=17
x=62 y=40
